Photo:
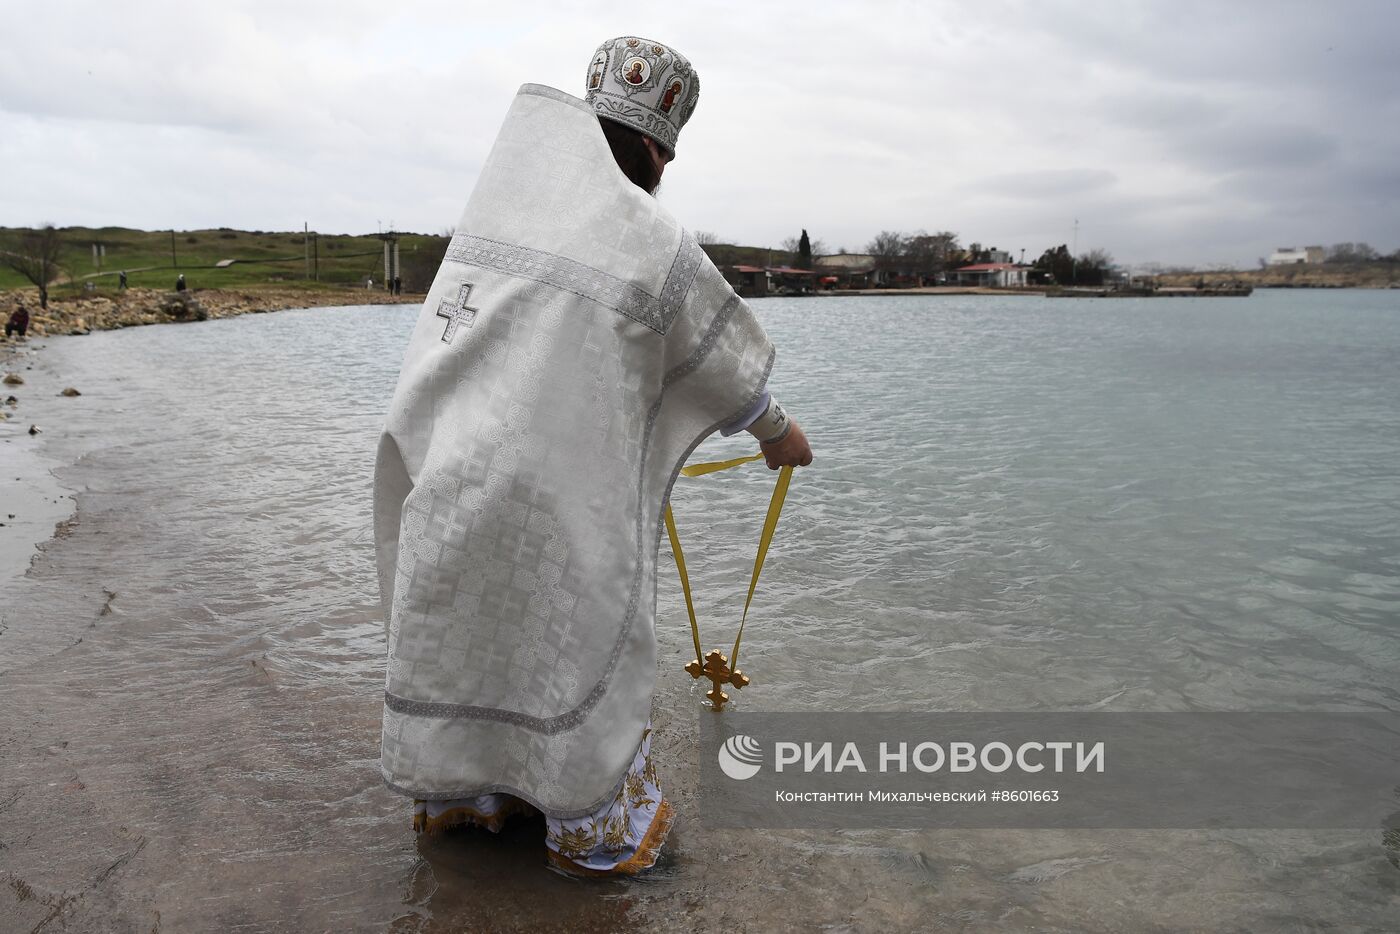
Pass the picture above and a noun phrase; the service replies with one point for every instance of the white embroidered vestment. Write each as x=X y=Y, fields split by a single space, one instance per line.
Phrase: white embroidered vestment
x=575 y=346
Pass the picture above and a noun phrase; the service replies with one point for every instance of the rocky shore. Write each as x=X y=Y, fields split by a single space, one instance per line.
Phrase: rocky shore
x=1380 y=275
x=80 y=314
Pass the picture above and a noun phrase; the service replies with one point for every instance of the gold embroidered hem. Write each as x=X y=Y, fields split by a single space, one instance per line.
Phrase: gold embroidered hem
x=623 y=837
x=643 y=859
x=489 y=811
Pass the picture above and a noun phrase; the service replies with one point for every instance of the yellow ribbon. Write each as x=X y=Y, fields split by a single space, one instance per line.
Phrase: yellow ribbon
x=770 y=523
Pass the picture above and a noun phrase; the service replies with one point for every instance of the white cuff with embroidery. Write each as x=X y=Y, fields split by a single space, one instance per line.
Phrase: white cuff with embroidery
x=773 y=425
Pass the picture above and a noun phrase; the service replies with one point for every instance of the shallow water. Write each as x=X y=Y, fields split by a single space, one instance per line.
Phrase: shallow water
x=1017 y=504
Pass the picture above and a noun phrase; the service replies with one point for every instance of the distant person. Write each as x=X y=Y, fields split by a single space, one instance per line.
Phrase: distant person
x=369 y=283
x=398 y=286
x=180 y=283
x=18 y=323
x=121 y=282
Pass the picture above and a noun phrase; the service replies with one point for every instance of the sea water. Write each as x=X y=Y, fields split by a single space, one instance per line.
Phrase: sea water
x=1016 y=503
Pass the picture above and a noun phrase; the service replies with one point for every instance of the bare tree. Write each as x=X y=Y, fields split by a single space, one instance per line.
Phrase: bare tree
x=36 y=258
x=887 y=244
x=1096 y=258
x=890 y=249
x=706 y=237
x=1093 y=267
x=1351 y=253
x=930 y=254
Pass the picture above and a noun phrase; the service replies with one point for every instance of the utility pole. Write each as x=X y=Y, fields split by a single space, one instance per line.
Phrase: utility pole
x=1074 y=254
x=306 y=245
x=173 y=261
x=316 y=256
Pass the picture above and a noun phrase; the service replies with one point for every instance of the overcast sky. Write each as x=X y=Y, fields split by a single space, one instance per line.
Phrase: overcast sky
x=1178 y=132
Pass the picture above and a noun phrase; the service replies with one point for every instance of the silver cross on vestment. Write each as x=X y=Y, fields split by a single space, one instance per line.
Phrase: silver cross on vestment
x=456 y=311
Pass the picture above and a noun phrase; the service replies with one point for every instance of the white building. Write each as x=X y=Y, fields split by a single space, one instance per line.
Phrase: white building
x=997 y=275
x=1289 y=255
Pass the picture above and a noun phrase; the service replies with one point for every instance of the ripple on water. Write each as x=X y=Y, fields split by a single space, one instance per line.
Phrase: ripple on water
x=1016 y=504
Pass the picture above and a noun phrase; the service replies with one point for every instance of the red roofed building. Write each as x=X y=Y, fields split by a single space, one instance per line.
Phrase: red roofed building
x=758 y=281
x=849 y=271
x=748 y=281
x=996 y=275
x=790 y=281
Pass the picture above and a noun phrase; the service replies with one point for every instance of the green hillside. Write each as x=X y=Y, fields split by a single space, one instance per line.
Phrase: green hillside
x=260 y=257
x=729 y=254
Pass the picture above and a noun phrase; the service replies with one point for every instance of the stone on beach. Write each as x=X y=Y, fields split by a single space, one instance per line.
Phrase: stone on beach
x=70 y=391
x=34 y=429
x=14 y=379
x=183 y=306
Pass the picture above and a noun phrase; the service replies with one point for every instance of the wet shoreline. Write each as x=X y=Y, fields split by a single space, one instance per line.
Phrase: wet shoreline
x=42 y=502
x=33 y=503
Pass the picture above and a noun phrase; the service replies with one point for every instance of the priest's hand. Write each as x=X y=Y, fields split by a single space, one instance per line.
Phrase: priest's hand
x=792 y=450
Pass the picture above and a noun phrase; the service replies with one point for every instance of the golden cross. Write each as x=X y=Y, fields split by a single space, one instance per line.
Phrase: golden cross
x=716 y=668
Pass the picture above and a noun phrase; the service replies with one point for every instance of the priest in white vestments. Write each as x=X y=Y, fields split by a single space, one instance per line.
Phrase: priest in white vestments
x=575 y=347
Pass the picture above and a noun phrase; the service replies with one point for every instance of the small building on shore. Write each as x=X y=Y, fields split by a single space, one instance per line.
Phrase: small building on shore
x=990 y=275
x=848 y=271
x=786 y=280
x=1291 y=256
x=748 y=281
x=759 y=281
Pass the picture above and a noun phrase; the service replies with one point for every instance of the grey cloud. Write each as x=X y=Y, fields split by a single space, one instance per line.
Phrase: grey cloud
x=1161 y=110
x=1244 y=147
x=1046 y=183
x=1285 y=46
x=1176 y=131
